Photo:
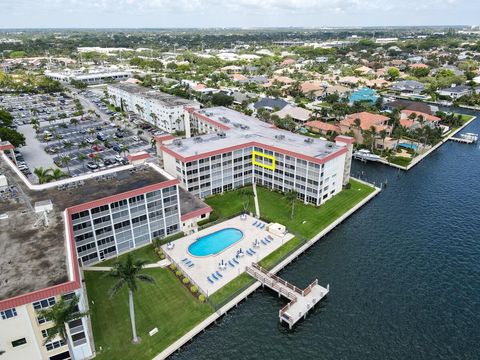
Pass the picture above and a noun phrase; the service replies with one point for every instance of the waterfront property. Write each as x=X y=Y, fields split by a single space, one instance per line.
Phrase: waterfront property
x=231 y=150
x=216 y=255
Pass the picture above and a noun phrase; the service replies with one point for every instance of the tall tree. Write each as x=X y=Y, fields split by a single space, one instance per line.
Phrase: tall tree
x=127 y=273
x=291 y=197
x=60 y=314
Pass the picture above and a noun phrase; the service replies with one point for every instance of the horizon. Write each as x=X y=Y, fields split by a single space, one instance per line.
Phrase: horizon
x=244 y=14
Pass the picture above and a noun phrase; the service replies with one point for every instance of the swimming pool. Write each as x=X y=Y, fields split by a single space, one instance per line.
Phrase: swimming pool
x=215 y=242
x=408 y=146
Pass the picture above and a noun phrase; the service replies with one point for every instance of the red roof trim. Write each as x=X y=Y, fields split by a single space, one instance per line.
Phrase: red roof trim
x=162 y=138
x=122 y=196
x=253 y=143
x=136 y=157
x=7 y=147
x=345 y=139
x=211 y=121
x=52 y=290
x=196 y=213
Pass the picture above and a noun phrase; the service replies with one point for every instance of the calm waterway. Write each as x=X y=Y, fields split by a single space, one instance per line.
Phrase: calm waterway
x=404 y=276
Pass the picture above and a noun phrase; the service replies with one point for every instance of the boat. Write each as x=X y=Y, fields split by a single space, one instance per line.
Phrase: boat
x=470 y=137
x=365 y=155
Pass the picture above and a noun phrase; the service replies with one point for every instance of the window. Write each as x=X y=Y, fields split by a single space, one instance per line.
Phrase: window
x=54 y=345
x=9 y=313
x=45 y=333
x=45 y=303
x=19 y=342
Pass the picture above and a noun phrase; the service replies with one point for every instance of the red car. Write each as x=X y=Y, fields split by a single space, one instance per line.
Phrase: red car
x=97 y=148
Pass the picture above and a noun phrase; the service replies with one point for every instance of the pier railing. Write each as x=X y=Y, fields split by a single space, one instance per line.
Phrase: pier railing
x=278 y=279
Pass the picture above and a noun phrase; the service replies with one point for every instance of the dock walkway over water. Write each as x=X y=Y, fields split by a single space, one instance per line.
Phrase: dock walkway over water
x=301 y=301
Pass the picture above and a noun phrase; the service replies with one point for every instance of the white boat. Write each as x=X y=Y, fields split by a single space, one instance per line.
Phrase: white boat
x=365 y=155
x=470 y=137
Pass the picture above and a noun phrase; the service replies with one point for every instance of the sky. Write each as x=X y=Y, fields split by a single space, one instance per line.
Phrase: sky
x=234 y=13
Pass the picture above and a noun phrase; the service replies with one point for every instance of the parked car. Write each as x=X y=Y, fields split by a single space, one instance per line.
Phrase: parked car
x=97 y=148
x=101 y=137
x=91 y=165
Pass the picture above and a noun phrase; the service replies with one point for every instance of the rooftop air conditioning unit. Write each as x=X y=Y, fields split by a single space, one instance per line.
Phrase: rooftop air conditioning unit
x=309 y=140
x=197 y=139
x=244 y=127
x=221 y=134
x=279 y=137
x=177 y=142
x=329 y=145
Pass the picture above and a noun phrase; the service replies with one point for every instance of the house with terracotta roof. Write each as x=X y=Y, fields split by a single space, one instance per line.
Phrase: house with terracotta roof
x=288 y=62
x=421 y=119
x=321 y=127
x=365 y=70
x=239 y=78
x=367 y=121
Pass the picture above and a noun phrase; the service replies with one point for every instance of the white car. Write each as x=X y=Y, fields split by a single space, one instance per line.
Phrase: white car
x=118 y=158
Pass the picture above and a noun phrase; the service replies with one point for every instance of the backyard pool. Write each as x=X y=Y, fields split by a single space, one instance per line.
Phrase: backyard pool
x=408 y=146
x=215 y=242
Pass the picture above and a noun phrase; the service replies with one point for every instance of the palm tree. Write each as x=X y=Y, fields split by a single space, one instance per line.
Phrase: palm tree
x=74 y=121
x=154 y=117
x=82 y=157
x=42 y=174
x=56 y=174
x=246 y=194
x=60 y=314
x=124 y=149
x=127 y=273
x=65 y=161
x=383 y=135
x=291 y=197
x=139 y=109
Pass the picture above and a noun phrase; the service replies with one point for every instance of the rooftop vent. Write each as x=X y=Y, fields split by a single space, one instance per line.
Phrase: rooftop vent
x=224 y=119
x=244 y=127
x=330 y=145
x=177 y=142
x=197 y=139
x=279 y=137
x=308 y=140
x=221 y=134
x=236 y=125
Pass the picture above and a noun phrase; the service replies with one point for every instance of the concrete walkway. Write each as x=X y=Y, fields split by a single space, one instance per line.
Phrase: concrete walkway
x=160 y=264
x=227 y=307
x=255 y=197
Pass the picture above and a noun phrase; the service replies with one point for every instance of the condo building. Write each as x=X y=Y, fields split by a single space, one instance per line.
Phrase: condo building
x=226 y=149
x=50 y=231
x=162 y=110
x=89 y=78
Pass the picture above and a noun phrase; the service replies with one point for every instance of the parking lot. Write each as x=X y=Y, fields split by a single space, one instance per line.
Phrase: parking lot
x=76 y=144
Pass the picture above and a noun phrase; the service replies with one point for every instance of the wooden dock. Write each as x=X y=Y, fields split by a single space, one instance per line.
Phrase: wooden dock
x=301 y=301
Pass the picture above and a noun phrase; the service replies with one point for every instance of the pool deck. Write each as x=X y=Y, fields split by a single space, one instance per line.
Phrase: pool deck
x=205 y=266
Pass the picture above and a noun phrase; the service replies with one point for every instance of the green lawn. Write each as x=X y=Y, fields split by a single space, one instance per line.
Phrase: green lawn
x=230 y=203
x=309 y=220
x=145 y=253
x=225 y=293
x=166 y=305
x=400 y=160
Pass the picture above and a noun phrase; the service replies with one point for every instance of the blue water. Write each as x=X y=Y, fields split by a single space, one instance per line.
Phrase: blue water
x=216 y=242
x=404 y=275
x=408 y=146
x=365 y=94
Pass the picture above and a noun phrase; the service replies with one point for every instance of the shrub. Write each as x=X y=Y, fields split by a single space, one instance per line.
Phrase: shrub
x=162 y=256
x=178 y=273
x=185 y=280
x=193 y=289
x=348 y=186
x=201 y=298
x=173 y=267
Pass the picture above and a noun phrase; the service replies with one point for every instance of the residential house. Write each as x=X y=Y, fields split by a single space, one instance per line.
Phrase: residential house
x=455 y=92
x=408 y=86
x=270 y=104
x=367 y=121
x=298 y=114
x=321 y=127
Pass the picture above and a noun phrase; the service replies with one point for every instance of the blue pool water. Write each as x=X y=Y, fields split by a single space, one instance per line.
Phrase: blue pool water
x=215 y=242
x=408 y=146
x=365 y=94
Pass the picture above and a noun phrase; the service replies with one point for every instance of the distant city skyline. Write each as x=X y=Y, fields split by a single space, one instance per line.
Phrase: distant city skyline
x=239 y=13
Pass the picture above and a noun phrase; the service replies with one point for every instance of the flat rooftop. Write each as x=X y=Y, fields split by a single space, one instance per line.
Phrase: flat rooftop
x=158 y=96
x=27 y=249
x=244 y=129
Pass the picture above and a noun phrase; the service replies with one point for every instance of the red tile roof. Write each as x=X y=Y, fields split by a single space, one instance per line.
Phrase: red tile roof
x=367 y=120
x=322 y=126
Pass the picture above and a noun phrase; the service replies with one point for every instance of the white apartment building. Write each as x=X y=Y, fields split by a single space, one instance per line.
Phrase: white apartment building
x=55 y=229
x=162 y=110
x=89 y=78
x=229 y=150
